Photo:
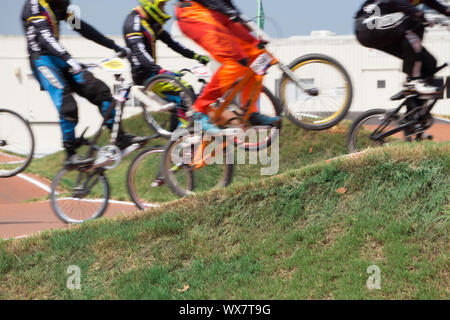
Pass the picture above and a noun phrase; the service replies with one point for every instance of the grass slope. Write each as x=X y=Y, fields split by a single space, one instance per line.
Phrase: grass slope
x=297 y=148
x=292 y=236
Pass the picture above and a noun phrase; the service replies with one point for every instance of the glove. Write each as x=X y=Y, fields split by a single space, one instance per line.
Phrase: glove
x=202 y=59
x=123 y=52
x=75 y=66
x=170 y=73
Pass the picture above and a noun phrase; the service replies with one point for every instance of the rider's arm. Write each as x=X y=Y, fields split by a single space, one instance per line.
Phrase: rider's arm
x=47 y=39
x=436 y=5
x=176 y=46
x=89 y=32
x=136 y=43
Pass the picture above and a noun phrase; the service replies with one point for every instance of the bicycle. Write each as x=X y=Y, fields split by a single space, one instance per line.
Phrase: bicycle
x=298 y=96
x=377 y=127
x=16 y=143
x=74 y=189
x=143 y=174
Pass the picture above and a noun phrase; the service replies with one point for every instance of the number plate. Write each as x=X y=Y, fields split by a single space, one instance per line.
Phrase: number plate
x=262 y=63
x=114 y=65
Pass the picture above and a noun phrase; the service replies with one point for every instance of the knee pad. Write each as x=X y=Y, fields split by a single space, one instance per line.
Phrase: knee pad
x=95 y=90
x=69 y=110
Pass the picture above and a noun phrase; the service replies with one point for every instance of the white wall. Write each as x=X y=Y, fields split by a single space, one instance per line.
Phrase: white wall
x=21 y=93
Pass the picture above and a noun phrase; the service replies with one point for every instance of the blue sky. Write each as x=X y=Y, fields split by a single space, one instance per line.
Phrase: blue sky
x=284 y=18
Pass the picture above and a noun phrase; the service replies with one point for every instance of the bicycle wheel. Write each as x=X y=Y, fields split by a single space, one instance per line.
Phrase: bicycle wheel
x=145 y=182
x=165 y=93
x=261 y=137
x=78 y=196
x=193 y=162
x=332 y=99
x=16 y=143
x=368 y=126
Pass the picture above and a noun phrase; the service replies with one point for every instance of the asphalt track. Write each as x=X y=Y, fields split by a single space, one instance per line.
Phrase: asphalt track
x=21 y=215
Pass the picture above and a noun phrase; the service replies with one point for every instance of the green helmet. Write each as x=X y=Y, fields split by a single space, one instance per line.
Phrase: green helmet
x=152 y=7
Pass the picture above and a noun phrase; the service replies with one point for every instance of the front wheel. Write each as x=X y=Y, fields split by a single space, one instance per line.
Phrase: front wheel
x=372 y=129
x=16 y=143
x=146 y=184
x=194 y=157
x=78 y=196
x=329 y=98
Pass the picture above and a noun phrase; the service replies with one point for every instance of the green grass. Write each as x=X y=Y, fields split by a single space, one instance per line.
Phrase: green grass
x=298 y=148
x=292 y=236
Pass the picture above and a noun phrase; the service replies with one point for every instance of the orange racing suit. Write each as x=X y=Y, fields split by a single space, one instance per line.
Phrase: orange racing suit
x=229 y=43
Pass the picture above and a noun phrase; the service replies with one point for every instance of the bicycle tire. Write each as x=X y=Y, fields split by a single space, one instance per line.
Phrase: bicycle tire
x=166 y=165
x=59 y=199
x=11 y=154
x=134 y=180
x=298 y=116
x=377 y=117
x=187 y=96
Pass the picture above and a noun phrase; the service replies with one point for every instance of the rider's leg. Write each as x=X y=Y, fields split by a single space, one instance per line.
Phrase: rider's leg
x=419 y=64
x=254 y=87
x=51 y=76
x=98 y=93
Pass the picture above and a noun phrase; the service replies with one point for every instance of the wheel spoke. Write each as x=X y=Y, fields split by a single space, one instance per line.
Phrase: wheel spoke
x=88 y=202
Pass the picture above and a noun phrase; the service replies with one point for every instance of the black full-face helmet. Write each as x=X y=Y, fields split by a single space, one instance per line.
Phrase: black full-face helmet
x=59 y=7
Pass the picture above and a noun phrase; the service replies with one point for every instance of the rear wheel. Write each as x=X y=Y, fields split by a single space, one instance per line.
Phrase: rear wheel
x=16 y=143
x=78 y=196
x=369 y=126
x=332 y=97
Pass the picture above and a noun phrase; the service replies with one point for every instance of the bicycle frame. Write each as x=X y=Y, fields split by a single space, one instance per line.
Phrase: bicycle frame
x=376 y=136
x=121 y=94
x=264 y=38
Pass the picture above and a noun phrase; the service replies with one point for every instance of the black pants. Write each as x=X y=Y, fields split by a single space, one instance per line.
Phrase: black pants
x=404 y=42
